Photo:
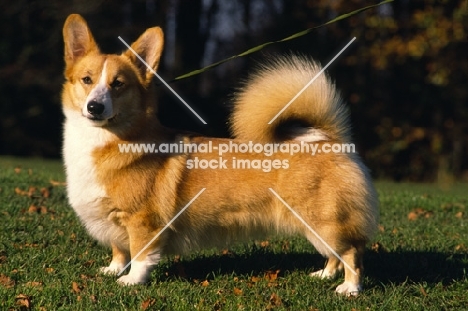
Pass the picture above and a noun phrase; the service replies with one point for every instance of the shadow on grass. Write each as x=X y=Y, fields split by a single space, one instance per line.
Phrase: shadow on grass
x=255 y=262
x=430 y=267
x=381 y=268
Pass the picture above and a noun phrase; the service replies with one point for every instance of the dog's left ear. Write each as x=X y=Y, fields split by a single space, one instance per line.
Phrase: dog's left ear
x=149 y=47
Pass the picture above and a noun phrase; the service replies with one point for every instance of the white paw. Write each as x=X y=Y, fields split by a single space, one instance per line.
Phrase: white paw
x=113 y=268
x=323 y=274
x=131 y=280
x=109 y=270
x=349 y=289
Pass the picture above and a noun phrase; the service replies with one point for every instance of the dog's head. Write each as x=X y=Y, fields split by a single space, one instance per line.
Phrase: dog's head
x=102 y=88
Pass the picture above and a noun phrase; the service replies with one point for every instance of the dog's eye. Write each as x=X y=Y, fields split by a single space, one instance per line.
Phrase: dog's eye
x=116 y=84
x=87 y=80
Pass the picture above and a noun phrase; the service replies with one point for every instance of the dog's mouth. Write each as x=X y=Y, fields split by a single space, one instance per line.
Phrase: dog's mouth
x=101 y=121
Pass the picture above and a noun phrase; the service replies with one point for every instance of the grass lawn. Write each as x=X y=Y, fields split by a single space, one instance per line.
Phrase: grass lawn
x=417 y=261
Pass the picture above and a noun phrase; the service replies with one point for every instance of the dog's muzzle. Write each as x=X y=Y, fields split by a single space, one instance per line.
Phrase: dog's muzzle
x=95 y=109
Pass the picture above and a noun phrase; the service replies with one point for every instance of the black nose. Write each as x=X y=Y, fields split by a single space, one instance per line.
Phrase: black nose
x=95 y=108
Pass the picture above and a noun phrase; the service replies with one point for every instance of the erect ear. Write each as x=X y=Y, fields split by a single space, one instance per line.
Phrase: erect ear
x=78 y=40
x=149 y=47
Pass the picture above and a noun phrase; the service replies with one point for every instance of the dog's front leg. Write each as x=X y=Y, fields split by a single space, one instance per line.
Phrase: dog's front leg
x=145 y=253
x=120 y=258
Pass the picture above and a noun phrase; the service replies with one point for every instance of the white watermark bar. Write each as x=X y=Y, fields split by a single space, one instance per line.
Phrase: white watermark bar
x=267 y=149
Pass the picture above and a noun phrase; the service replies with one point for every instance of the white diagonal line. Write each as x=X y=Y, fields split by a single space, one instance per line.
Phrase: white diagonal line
x=313 y=231
x=311 y=81
x=161 y=79
x=160 y=232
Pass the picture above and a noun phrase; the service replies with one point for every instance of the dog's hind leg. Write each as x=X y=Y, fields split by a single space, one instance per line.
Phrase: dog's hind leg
x=332 y=268
x=351 y=261
x=353 y=257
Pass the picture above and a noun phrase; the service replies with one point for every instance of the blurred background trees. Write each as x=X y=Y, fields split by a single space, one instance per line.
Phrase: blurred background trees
x=404 y=79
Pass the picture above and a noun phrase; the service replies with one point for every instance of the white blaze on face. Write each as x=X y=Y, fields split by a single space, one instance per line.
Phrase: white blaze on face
x=100 y=94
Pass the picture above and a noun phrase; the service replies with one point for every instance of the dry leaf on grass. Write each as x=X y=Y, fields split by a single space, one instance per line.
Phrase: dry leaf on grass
x=237 y=291
x=275 y=300
x=6 y=281
x=45 y=192
x=34 y=284
x=76 y=287
x=271 y=275
x=148 y=303
x=23 y=301
x=419 y=213
x=255 y=279
x=264 y=244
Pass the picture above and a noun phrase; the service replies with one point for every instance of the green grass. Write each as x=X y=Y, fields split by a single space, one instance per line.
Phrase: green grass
x=48 y=262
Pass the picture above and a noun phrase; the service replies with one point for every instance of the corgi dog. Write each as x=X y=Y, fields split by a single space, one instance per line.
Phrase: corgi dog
x=130 y=200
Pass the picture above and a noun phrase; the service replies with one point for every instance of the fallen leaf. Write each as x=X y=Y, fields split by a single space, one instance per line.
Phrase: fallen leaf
x=271 y=275
x=275 y=300
x=412 y=216
x=34 y=284
x=18 y=191
x=428 y=214
x=459 y=215
x=33 y=209
x=147 y=303
x=6 y=281
x=45 y=192
x=205 y=283
x=17 y=170
x=255 y=279
x=419 y=212
x=23 y=301
x=76 y=288
x=226 y=252
x=264 y=244
x=31 y=191
x=237 y=291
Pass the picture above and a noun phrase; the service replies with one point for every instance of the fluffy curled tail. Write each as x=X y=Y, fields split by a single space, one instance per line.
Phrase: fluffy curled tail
x=316 y=114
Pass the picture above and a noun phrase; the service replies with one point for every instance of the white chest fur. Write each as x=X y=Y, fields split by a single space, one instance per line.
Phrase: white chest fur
x=85 y=193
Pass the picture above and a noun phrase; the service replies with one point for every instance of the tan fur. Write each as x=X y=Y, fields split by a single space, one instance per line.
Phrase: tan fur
x=125 y=199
